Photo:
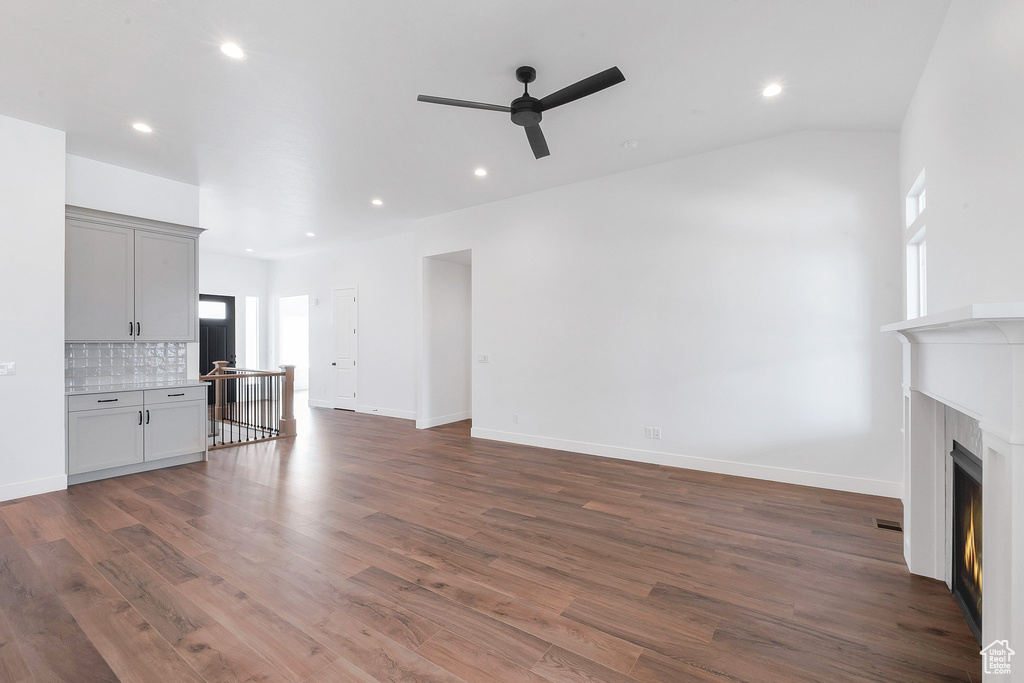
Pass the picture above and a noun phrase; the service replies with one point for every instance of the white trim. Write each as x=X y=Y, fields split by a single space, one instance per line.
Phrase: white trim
x=387 y=412
x=838 y=482
x=34 y=487
x=443 y=420
x=319 y=403
x=135 y=468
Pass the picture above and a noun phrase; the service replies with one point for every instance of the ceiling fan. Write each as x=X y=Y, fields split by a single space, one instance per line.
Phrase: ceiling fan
x=527 y=111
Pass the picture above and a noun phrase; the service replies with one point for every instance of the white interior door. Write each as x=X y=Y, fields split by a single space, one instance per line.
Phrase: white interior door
x=345 y=336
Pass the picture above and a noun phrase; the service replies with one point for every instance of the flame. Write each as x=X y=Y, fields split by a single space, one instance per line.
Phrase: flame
x=971 y=562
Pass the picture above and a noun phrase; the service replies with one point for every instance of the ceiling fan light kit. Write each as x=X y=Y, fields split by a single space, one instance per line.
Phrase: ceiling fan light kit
x=527 y=111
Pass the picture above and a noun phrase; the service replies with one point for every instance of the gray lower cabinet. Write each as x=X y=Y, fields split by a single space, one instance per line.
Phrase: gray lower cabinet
x=175 y=429
x=105 y=437
x=130 y=431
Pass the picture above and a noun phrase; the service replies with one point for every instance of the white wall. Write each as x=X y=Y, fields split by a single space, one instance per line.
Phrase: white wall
x=732 y=299
x=385 y=273
x=239 y=277
x=964 y=126
x=32 y=313
x=105 y=187
x=445 y=362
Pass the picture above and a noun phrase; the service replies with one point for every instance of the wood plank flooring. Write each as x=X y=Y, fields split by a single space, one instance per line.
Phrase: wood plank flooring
x=366 y=550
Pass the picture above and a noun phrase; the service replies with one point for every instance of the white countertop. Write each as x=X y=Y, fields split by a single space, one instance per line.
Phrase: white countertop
x=134 y=386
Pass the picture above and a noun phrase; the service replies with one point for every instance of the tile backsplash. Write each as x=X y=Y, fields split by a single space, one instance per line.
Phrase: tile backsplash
x=102 y=363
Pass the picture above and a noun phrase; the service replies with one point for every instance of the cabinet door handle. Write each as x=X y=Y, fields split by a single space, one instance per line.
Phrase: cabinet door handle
x=138 y=329
x=131 y=332
x=106 y=400
x=169 y=395
x=140 y=417
x=147 y=417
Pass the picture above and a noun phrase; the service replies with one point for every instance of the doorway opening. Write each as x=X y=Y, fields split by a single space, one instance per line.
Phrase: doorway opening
x=293 y=337
x=446 y=373
x=216 y=333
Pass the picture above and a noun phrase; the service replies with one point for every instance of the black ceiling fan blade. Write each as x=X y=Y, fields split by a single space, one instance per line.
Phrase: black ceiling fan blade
x=588 y=86
x=537 y=142
x=462 y=103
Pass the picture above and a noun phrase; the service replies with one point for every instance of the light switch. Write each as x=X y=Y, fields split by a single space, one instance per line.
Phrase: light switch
x=483 y=358
x=7 y=368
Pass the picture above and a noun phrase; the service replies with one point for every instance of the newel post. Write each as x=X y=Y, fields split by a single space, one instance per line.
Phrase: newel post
x=218 y=389
x=288 y=402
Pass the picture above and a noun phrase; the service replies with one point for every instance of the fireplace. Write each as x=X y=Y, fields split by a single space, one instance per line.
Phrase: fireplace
x=969 y=361
x=967 y=526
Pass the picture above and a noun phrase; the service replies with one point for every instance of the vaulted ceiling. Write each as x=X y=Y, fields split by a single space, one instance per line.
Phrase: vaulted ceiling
x=321 y=117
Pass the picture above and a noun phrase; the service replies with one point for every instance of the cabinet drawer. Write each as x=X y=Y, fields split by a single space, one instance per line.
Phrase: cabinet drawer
x=115 y=399
x=174 y=395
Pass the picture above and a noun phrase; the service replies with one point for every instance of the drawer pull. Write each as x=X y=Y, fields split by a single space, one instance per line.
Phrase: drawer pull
x=106 y=400
x=181 y=394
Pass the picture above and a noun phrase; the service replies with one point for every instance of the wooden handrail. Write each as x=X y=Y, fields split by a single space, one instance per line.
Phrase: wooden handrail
x=235 y=375
x=221 y=372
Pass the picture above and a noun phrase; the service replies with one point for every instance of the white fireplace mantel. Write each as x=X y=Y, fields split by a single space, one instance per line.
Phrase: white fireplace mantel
x=971 y=359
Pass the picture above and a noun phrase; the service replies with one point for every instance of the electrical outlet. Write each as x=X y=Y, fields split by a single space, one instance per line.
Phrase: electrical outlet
x=7 y=369
x=515 y=417
x=657 y=432
x=648 y=432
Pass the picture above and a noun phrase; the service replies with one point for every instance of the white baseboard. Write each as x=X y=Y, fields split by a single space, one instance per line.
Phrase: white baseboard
x=387 y=412
x=33 y=488
x=318 y=403
x=442 y=420
x=875 y=487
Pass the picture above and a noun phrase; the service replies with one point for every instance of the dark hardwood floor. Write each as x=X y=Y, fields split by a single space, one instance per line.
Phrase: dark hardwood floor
x=367 y=550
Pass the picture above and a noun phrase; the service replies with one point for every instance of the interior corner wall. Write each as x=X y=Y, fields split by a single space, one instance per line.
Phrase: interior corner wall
x=223 y=275
x=32 y=314
x=445 y=362
x=964 y=128
x=384 y=271
x=732 y=299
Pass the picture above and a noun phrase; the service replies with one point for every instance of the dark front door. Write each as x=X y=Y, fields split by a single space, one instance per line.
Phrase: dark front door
x=216 y=332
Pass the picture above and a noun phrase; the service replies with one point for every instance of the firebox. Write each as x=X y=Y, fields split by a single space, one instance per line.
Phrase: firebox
x=967 y=535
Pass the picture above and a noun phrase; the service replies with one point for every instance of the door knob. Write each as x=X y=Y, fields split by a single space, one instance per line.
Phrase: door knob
x=333 y=363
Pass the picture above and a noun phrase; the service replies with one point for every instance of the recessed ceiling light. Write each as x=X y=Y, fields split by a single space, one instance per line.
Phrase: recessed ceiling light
x=248 y=249
x=480 y=172
x=142 y=127
x=377 y=202
x=772 y=90
x=310 y=234
x=232 y=50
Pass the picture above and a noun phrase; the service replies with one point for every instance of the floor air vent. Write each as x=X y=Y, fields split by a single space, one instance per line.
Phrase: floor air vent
x=889 y=525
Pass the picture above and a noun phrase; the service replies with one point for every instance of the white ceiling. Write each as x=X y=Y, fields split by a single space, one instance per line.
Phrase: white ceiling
x=322 y=115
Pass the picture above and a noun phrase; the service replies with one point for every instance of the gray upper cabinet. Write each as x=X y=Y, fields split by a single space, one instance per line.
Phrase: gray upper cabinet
x=99 y=300
x=165 y=287
x=129 y=279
